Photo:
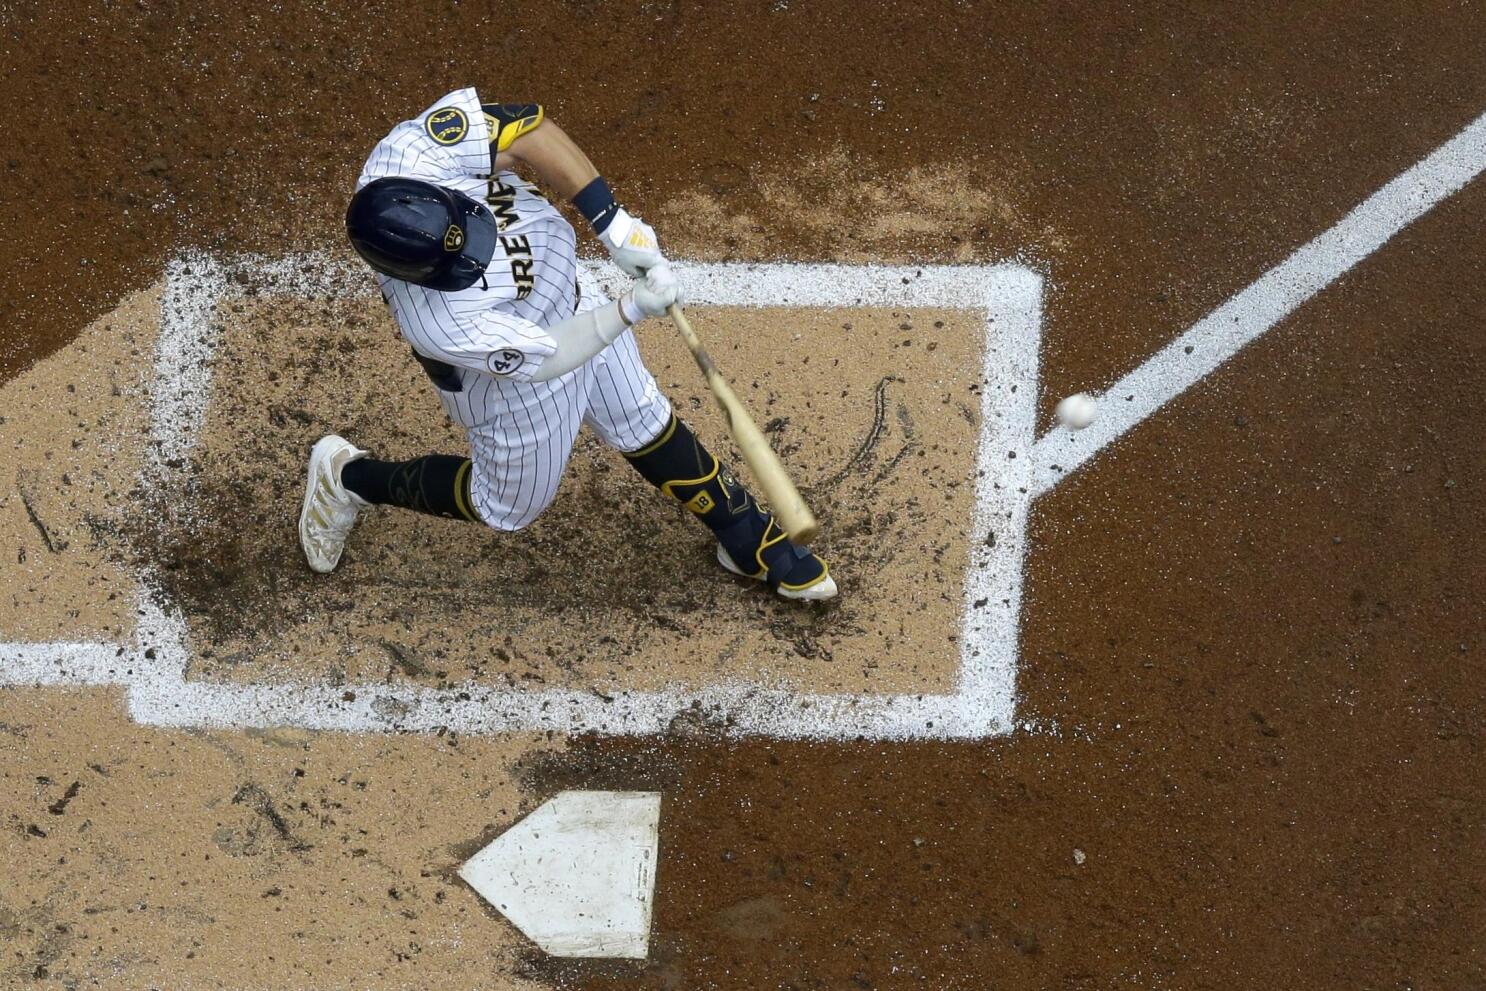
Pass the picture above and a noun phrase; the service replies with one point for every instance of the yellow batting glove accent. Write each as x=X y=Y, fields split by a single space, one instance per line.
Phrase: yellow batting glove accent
x=640 y=238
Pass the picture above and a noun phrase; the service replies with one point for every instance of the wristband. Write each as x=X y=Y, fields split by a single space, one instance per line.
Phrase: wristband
x=629 y=310
x=596 y=202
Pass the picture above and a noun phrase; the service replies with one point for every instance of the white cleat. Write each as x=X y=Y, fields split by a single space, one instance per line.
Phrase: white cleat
x=822 y=588
x=329 y=510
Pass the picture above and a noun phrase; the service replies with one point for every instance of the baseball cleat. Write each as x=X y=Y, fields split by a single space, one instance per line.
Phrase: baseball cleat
x=792 y=571
x=329 y=510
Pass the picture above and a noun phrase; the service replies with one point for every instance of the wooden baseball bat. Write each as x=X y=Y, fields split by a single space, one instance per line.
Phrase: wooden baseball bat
x=779 y=492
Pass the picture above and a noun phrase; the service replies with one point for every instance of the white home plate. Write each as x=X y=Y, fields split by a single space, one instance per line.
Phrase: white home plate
x=577 y=876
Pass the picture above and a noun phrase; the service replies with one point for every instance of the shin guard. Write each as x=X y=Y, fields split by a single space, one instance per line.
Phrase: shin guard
x=678 y=465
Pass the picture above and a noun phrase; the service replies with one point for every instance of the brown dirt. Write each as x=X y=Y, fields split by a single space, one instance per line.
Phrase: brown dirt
x=1254 y=624
x=276 y=859
x=75 y=426
x=1262 y=664
x=890 y=445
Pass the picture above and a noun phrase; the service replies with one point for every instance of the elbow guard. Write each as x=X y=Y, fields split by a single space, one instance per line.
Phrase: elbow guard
x=508 y=121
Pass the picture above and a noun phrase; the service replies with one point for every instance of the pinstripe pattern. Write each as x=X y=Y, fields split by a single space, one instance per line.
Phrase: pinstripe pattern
x=521 y=432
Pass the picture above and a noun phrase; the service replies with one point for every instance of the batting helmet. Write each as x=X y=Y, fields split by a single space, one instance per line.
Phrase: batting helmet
x=421 y=232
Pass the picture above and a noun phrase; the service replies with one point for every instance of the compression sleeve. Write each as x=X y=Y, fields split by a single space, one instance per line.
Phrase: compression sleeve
x=581 y=336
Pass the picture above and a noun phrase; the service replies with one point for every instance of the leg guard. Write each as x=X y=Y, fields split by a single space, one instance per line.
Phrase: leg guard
x=436 y=484
x=678 y=465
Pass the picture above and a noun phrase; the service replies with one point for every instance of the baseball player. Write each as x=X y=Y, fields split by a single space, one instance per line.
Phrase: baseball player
x=480 y=273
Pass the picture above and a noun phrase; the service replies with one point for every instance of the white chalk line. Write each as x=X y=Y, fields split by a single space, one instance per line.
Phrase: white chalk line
x=983 y=704
x=1275 y=295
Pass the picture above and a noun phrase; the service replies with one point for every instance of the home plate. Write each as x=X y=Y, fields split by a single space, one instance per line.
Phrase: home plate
x=577 y=876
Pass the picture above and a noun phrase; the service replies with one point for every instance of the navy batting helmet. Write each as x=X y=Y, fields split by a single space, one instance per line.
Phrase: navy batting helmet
x=421 y=232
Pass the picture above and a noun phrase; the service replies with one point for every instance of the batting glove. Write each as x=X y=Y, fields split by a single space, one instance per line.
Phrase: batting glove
x=632 y=244
x=654 y=294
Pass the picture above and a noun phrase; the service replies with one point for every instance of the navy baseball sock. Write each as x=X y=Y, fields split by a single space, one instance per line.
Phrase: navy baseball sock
x=437 y=484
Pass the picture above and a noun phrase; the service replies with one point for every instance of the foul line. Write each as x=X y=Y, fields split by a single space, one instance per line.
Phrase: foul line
x=1275 y=295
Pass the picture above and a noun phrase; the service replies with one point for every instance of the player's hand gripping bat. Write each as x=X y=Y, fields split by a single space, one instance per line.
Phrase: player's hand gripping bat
x=780 y=493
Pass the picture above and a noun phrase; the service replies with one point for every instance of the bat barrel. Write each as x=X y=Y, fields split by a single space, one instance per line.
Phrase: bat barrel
x=789 y=507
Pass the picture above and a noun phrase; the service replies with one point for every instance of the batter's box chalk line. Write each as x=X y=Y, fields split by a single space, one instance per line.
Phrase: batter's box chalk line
x=152 y=667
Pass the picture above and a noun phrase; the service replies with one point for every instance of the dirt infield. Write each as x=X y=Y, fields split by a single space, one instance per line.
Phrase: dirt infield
x=209 y=860
x=889 y=441
x=1251 y=635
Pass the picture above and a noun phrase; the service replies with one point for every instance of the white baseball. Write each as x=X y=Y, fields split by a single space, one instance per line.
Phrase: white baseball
x=1077 y=411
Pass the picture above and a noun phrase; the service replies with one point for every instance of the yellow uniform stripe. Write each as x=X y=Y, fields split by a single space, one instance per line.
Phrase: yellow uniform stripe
x=669 y=487
x=665 y=435
x=461 y=491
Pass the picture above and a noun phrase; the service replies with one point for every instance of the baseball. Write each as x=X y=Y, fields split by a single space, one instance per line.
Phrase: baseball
x=1076 y=411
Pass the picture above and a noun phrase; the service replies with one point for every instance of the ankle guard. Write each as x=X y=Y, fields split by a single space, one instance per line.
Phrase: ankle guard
x=760 y=549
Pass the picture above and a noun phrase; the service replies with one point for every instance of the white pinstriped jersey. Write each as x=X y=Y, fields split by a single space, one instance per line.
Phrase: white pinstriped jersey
x=491 y=332
x=521 y=432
